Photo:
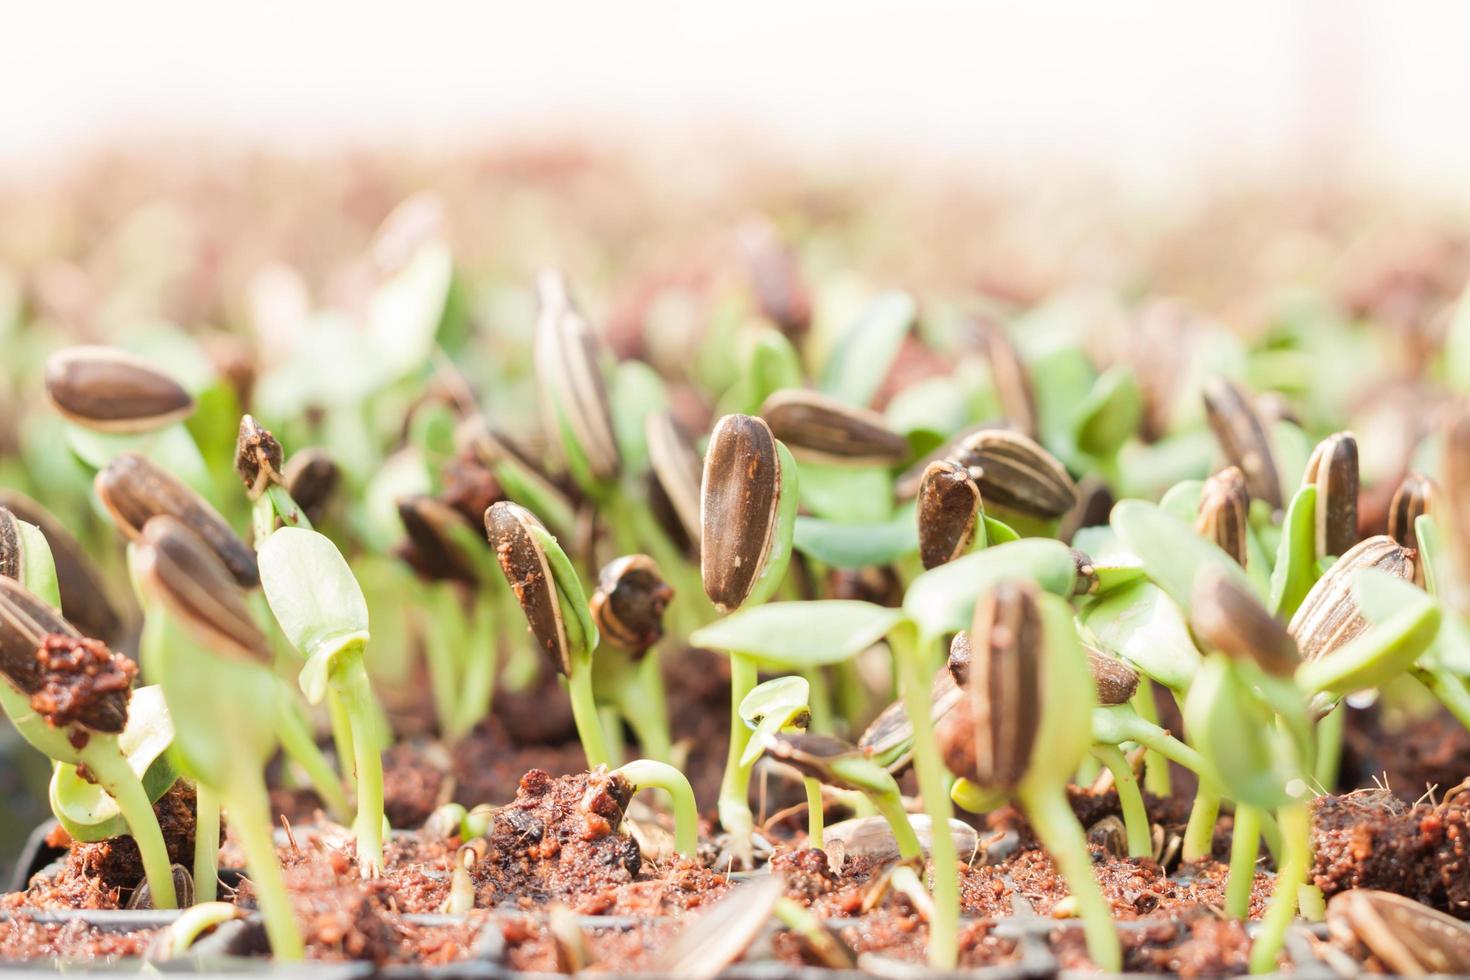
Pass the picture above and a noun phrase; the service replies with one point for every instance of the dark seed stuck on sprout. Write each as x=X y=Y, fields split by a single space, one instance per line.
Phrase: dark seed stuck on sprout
x=134 y=489
x=521 y=557
x=432 y=549
x=949 y=510
x=1333 y=469
x=1329 y=615
x=739 y=498
x=257 y=457
x=82 y=683
x=675 y=468
x=1413 y=498
x=1228 y=617
x=1114 y=681
x=25 y=621
x=311 y=477
x=813 y=755
x=820 y=428
x=176 y=567
x=569 y=373
x=109 y=390
x=628 y=606
x=1242 y=435
x=1014 y=471
x=1224 y=512
x=84 y=595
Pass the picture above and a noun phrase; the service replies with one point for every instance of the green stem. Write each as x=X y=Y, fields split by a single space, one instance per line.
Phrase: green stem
x=611 y=722
x=584 y=713
x=909 y=848
x=1156 y=776
x=442 y=634
x=1329 y=747
x=1056 y=825
x=912 y=655
x=816 y=813
x=819 y=700
x=349 y=679
x=734 y=803
x=1296 y=841
x=477 y=685
x=109 y=767
x=1130 y=799
x=651 y=774
x=342 y=738
x=642 y=703
x=249 y=810
x=1451 y=692
x=1245 y=843
x=1271 y=832
x=1199 y=833
x=206 y=843
x=301 y=748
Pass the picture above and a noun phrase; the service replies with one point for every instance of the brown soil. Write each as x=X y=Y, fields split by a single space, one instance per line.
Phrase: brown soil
x=1135 y=887
x=1371 y=839
x=530 y=947
x=21 y=938
x=82 y=681
x=1433 y=751
x=1196 y=944
x=102 y=875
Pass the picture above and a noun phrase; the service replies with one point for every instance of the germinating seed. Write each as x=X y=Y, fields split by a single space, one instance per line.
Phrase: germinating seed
x=1333 y=469
x=1242 y=435
x=1413 y=499
x=109 y=390
x=523 y=560
x=739 y=498
x=135 y=489
x=629 y=604
x=569 y=373
x=1114 y=681
x=949 y=510
x=257 y=457
x=1014 y=471
x=1329 y=616
x=1228 y=617
x=311 y=478
x=819 y=428
x=676 y=469
x=433 y=550
x=25 y=621
x=1224 y=511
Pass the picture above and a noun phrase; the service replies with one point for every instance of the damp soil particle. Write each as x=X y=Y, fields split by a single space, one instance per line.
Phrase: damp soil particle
x=1372 y=839
x=102 y=875
x=22 y=938
x=1195 y=944
x=82 y=682
x=1134 y=887
x=1432 y=751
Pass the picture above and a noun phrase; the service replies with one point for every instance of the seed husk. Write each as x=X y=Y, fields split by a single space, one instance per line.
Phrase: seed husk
x=739 y=498
x=1333 y=469
x=135 y=489
x=84 y=594
x=12 y=557
x=949 y=510
x=569 y=373
x=812 y=755
x=989 y=736
x=521 y=557
x=178 y=569
x=311 y=478
x=1114 y=680
x=1408 y=937
x=1224 y=511
x=822 y=429
x=433 y=550
x=108 y=390
x=1414 y=497
x=257 y=457
x=629 y=604
x=721 y=935
x=775 y=277
x=1012 y=382
x=676 y=469
x=1014 y=471
x=1230 y=618
x=1242 y=435
x=82 y=683
x=907 y=484
x=25 y=621
x=888 y=739
x=1110 y=835
x=1329 y=616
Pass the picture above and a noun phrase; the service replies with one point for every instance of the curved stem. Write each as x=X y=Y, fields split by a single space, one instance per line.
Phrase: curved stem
x=1130 y=799
x=349 y=678
x=909 y=848
x=301 y=748
x=108 y=766
x=1329 y=747
x=1296 y=842
x=584 y=713
x=913 y=656
x=816 y=814
x=1054 y=822
x=734 y=805
x=249 y=810
x=1245 y=843
x=652 y=774
x=1156 y=776
x=206 y=843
